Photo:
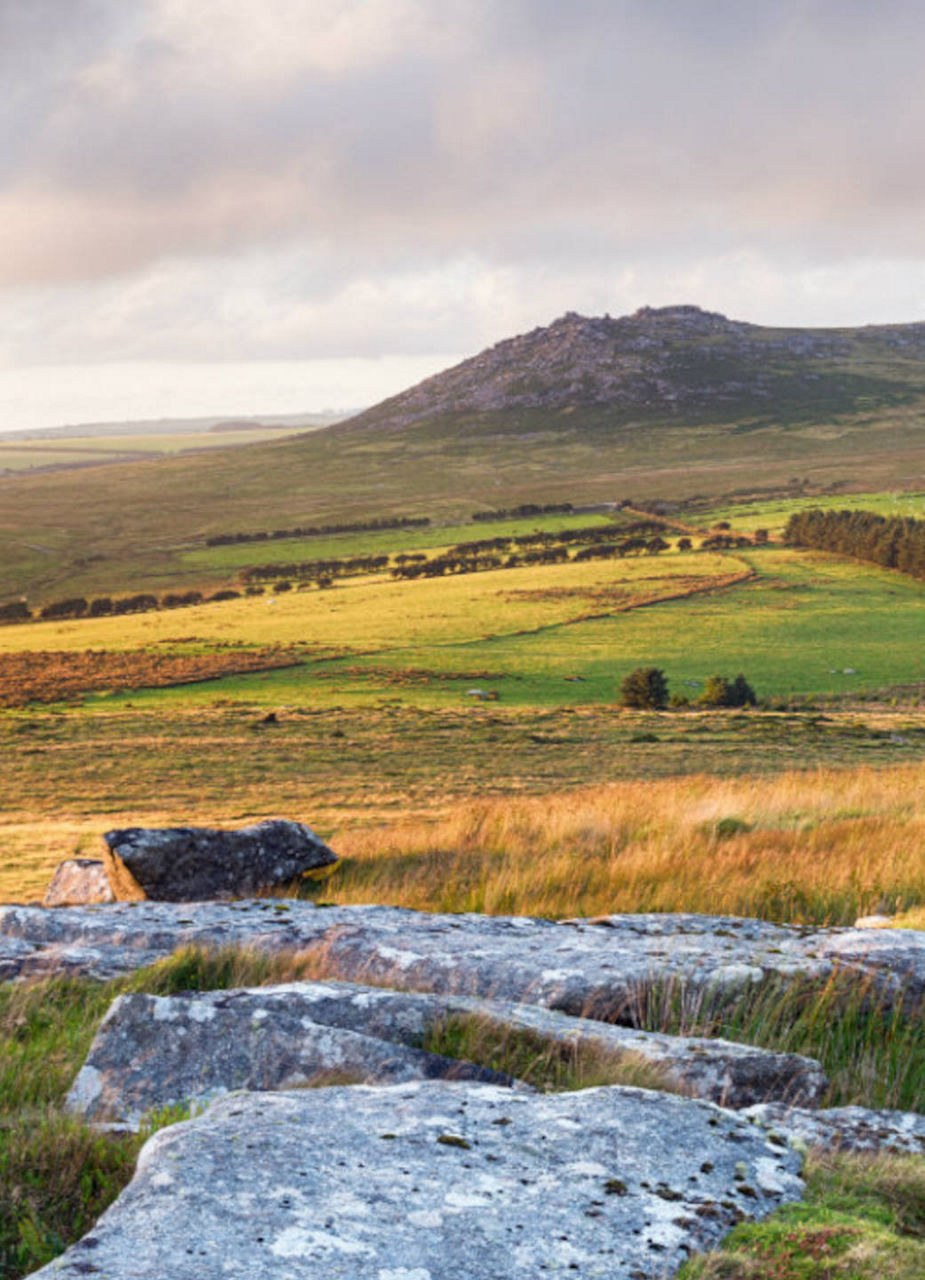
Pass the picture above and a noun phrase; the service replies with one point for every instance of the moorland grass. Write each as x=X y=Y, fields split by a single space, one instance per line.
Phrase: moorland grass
x=415 y=799
x=819 y=847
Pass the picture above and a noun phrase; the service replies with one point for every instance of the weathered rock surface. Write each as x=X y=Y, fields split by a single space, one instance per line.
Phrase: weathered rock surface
x=78 y=882
x=601 y=970
x=845 y=1128
x=153 y=1051
x=436 y=1181
x=195 y=864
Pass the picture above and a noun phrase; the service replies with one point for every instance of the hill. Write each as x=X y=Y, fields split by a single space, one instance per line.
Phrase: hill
x=672 y=361
x=668 y=403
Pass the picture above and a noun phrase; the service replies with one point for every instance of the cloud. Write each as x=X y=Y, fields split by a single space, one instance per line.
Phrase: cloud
x=365 y=175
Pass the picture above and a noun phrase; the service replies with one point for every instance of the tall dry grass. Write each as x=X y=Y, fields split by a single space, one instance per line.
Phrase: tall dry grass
x=815 y=847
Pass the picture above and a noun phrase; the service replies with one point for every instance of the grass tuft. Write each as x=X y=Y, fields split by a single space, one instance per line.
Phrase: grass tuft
x=550 y=1065
x=863 y=1218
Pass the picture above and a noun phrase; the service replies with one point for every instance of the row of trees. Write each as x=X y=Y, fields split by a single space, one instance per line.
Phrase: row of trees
x=894 y=542
x=475 y=556
x=568 y=537
x=107 y=606
x=315 y=570
x=524 y=510
x=646 y=688
x=459 y=561
x=319 y=530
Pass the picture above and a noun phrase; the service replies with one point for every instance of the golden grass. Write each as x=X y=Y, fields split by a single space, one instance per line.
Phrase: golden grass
x=370 y=613
x=823 y=846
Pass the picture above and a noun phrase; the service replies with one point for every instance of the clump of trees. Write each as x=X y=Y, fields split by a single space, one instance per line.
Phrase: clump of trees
x=893 y=542
x=725 y=542
x=15 y=611
x=720 y=691
x=646 y=689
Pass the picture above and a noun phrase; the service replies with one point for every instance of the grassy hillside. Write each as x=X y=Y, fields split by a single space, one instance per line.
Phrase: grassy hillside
x=130 y=527
x=661 y=405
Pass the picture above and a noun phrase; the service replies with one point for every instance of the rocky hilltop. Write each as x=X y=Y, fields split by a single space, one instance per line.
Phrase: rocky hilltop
x=665 y=360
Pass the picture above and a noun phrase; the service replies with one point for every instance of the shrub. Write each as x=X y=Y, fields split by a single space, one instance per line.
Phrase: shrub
x=15 y=611
x=645 y=688
x=720 y=691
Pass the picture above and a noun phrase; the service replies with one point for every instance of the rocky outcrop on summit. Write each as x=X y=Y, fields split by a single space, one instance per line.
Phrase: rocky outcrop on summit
x=195 y=864
x=157 y=1051
x=436 y=1181
x=602 y=970
x=663 y=359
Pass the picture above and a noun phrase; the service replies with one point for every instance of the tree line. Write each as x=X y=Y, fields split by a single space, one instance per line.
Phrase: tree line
x=464 y=559
x=893 y=542
x=106 y=606
x=525 y=509
x=319 y=530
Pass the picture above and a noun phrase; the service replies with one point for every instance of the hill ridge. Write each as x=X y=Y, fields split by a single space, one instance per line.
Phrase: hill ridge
x=658 y=358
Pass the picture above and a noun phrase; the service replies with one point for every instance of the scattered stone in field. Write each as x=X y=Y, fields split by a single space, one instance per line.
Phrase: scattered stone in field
x=154 y=1051
x=585 y=969
x=873 y=922
x=195 y=864
x=432 y=1181
x=845 y=1128
x=78 y=882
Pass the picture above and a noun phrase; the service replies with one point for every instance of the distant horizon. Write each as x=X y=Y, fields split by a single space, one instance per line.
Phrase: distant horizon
x=49 y=397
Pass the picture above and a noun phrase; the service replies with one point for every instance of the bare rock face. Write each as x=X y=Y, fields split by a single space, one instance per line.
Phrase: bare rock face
x=436 y=1181
x=196 y=864
x=155 y=1051
x=78 y=882
x=845 y=1128
x=599 y=970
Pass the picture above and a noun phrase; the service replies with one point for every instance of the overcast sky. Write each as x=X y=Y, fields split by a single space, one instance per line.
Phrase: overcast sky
x=332 y=198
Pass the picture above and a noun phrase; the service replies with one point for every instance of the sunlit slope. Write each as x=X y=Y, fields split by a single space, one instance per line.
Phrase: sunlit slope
x=796 y=623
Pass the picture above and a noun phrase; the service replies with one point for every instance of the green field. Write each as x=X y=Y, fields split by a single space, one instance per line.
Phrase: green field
x=435 y=537
x=773 y=515
x=804 y=623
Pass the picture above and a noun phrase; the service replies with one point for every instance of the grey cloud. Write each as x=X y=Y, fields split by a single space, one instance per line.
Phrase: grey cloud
x=541 y=139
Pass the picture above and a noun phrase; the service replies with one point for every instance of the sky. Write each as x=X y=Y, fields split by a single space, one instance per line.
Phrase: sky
x=223 y=206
